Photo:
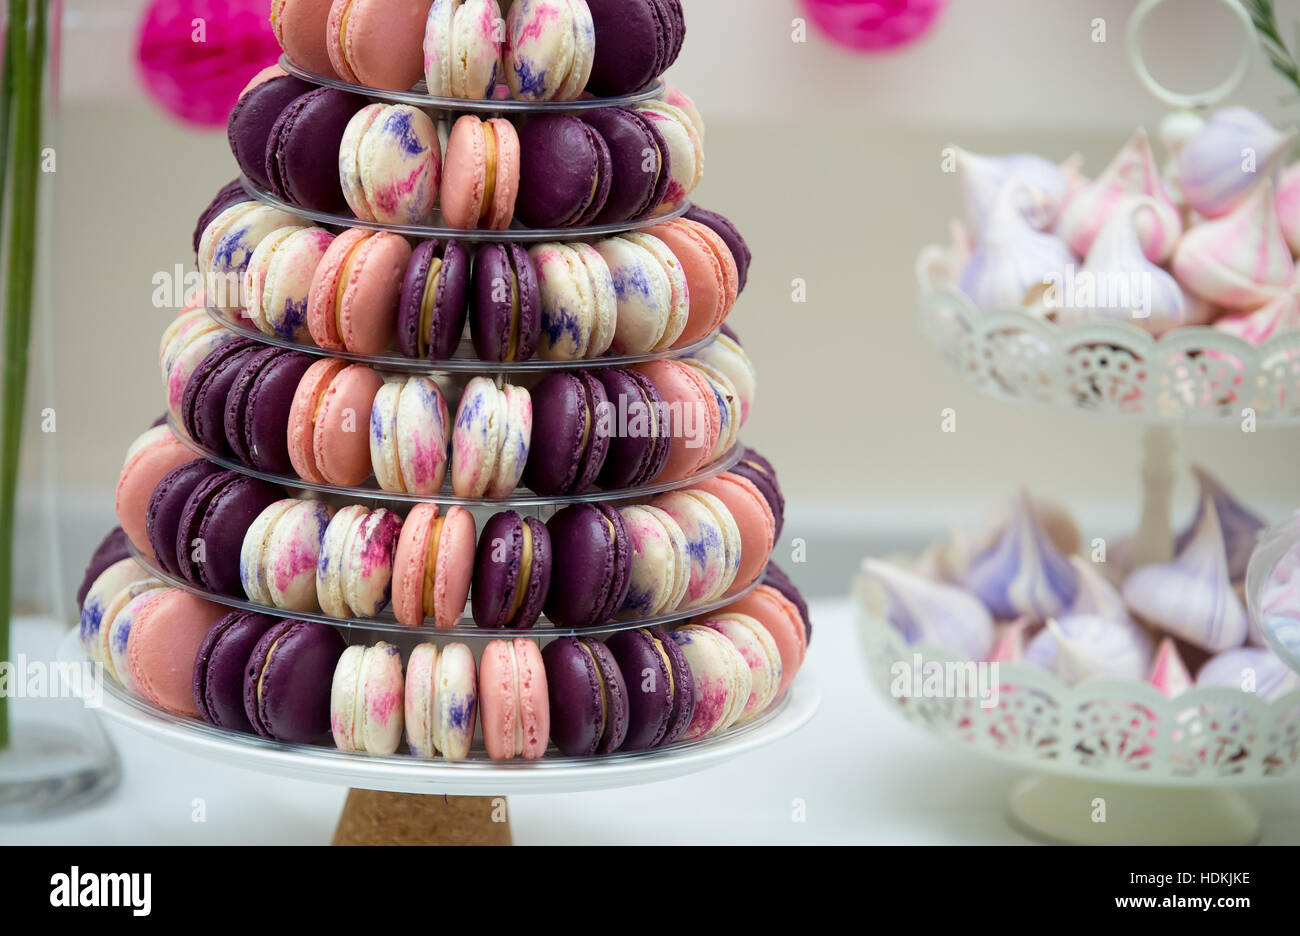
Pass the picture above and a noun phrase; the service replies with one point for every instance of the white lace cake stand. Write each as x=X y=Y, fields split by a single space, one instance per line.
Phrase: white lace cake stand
x=476 y=776
x=1109 y=761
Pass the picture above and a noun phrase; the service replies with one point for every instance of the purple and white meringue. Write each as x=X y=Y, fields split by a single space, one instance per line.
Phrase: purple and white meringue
x=1022 y=574
x=1287 y=204
x=1192 y=597
x=1239 y=525
x=1249 y=669
x=1082 y=646
x=1117 y=281
x=1278 y=315
x=1096 y=595
x=1133 y=171
x=1233 y=153
x=1169 y=673
x=931 y=612
x=1011 y=257
x=1241 y=260
x=1043 y=186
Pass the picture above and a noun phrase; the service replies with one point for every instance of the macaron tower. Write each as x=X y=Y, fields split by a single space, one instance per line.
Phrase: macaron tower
x=456 y=375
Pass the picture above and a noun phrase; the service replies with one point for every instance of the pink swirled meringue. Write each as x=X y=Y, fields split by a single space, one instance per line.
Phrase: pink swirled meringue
x=1011 y=257
x=1235 y=150
x=1278 y=315
x=1022 y=574
x=1239 y=525
x=1010 y=641
x=1044 y=186
x=1082 y=646
x=1192 y=596
x=1168 y=672
x=1097 y=596
x=1117 y=281
x=1250 y=669
x=1133 y=171
x=1287 y=203
x=1240 y=260
x=931 y=612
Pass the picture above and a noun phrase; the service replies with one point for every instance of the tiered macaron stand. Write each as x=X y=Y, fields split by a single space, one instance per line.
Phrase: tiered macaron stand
x=475 y=813
x=1167 y=769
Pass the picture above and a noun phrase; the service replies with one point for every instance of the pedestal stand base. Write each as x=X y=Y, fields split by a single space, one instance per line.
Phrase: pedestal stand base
x=372 y=817
x=1065 y=809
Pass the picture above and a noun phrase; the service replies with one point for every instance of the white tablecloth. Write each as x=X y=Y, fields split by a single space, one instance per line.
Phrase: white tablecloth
x=862 y=773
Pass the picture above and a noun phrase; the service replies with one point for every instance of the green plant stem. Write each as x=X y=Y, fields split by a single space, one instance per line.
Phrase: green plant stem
x=25 y=61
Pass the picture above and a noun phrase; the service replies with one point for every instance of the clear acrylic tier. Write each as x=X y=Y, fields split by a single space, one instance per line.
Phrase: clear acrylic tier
x=476 y=775
x=465 y=361
x=419 y=96
x=429 y=231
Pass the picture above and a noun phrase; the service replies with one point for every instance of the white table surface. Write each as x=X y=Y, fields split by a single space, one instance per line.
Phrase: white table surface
x=863 y=774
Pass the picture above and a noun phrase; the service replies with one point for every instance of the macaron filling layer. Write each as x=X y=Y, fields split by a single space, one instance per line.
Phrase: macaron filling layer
x=429 y=596
x=525 y=572
x=428 y=301
x=489 y=170
x=603 y=727
x=516 y=313
x=345 y=277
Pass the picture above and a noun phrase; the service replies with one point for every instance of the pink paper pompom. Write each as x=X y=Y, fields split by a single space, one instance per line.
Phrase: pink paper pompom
x=874 y=25
x=195 y=56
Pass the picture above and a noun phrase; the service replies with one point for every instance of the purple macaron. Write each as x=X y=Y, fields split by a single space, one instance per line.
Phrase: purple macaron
x=760 y=471
x=252 y=118
x=506 y=313
x=112 y=548
x=203 y=404
x=302 y=150
x=510 y=581
x=636 y=42
x=564 y=172
x=775 y=576
x=589 y=699
x=287 y=680
x=639 y=446
x=569 y=446
x=659 y=707
x=167 y=505
x=257 y=408
x=591 y=563
x=219 y=668
x=230 y=193
x=721 y=226
x=214 y=519
x=637 y=184
x=446 y=323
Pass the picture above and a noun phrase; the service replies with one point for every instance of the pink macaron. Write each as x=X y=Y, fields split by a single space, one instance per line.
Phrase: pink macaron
x=329 y=422
x=378 y=43
x=300 y=28
x=695 y=422
x=480 y=177
x=163 y=644
x=711 y=275
x=150 y=457
x=516 y=709
x=434 y=566
x=780 y=616
x=754 y=518
x=352 y=304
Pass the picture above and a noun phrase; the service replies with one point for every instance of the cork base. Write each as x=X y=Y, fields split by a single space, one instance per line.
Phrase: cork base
x=371 y=817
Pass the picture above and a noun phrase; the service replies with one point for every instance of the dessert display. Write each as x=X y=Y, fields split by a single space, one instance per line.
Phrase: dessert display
x=456 y=375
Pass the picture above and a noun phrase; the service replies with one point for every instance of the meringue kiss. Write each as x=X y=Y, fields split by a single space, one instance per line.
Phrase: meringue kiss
x=1287 y=204
x=1249 y=669
x=1169 y=673
x=982 y=178
x=931 y=612
x=1117 y=281
x=1023 y=574
x=1239 y=525
x=1133 y=171
x=1234 y=152
x=1192 y=596
x=1082 y=646
x=1240 y=260
x=1011 y=257
x=1277 y=316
